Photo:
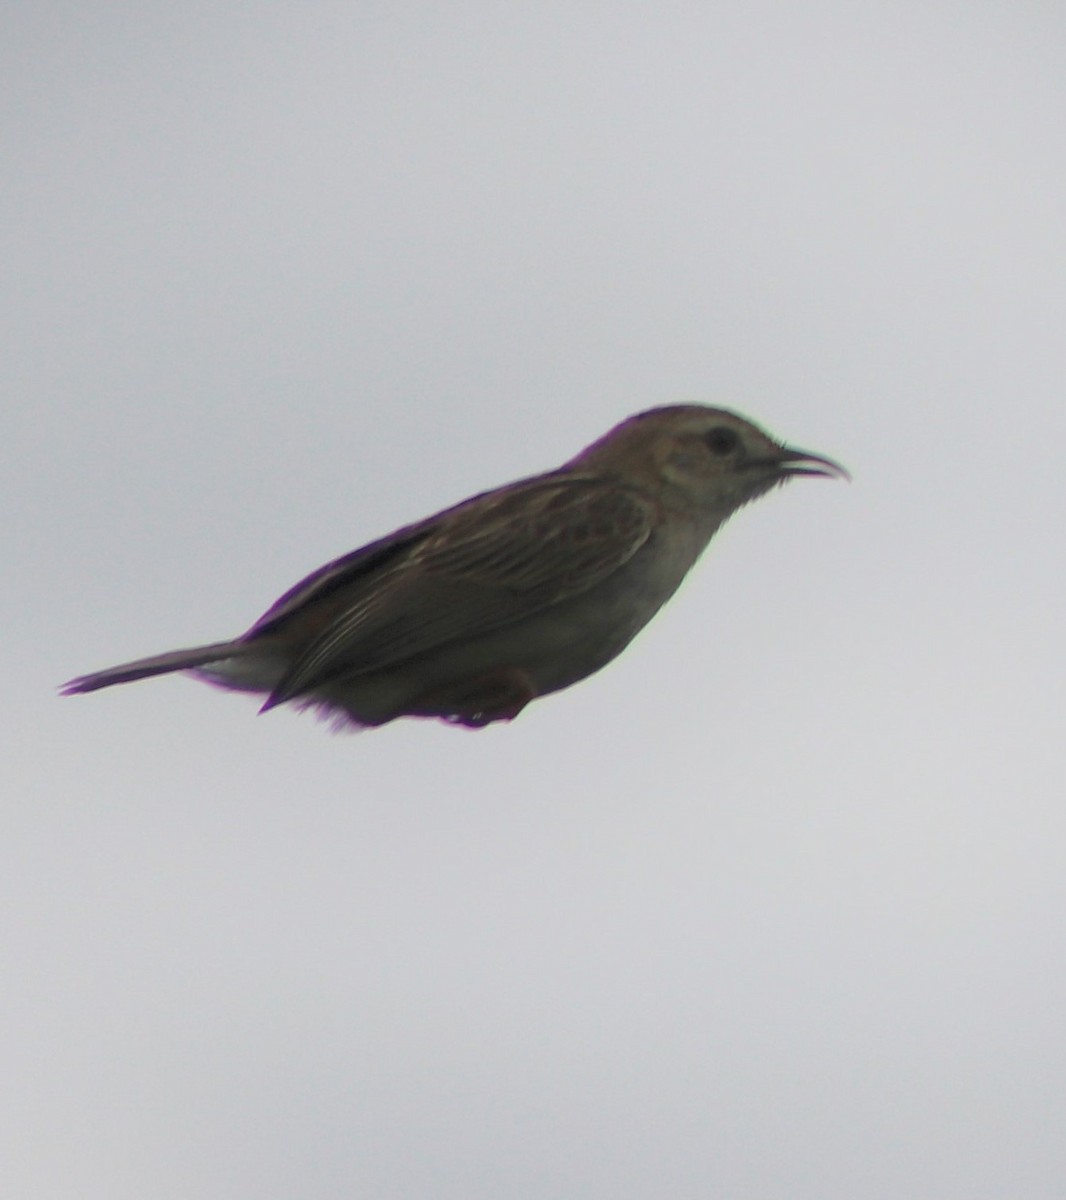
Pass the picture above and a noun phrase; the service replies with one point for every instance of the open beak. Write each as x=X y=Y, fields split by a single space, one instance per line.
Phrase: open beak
x=799 y=462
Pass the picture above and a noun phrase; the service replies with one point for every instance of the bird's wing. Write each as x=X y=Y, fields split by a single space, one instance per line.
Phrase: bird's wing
x=363 y=566
x=485 y=564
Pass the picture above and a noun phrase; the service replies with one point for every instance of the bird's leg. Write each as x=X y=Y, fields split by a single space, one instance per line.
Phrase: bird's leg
x=497 y=695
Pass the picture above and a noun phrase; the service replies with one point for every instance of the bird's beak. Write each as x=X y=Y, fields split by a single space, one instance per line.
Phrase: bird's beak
x=800 y=462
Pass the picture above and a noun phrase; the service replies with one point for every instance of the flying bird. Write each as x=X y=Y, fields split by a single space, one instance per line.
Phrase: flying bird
x=513 y=594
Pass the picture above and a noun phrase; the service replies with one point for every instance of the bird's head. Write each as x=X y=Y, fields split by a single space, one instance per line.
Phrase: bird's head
x=706 y=458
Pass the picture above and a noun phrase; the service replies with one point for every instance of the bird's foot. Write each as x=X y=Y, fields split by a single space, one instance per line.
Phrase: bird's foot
x=498 y=695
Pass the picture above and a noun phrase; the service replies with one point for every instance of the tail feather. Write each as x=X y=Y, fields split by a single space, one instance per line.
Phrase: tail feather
x=159 y=664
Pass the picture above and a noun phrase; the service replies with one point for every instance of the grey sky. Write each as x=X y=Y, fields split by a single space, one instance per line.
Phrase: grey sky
x=774 y=906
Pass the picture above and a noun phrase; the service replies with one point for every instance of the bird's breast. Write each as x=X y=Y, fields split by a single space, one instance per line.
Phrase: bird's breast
x=569 y=641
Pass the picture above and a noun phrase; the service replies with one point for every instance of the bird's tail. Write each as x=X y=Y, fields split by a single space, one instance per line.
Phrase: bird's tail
x=159 y=664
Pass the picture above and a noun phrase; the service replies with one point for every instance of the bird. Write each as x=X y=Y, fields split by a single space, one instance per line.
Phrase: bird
x=513 y=594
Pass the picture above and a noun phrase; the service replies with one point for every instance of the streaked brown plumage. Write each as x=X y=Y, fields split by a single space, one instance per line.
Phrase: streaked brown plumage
x=512 y=594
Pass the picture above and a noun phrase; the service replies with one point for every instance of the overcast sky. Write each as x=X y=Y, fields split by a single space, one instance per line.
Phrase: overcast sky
x=772 y=907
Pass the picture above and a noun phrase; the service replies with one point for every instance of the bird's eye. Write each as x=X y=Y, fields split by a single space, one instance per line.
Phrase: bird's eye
x=721 y=441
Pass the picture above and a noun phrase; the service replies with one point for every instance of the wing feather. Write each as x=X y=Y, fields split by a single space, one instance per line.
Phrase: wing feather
x=483 y=565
